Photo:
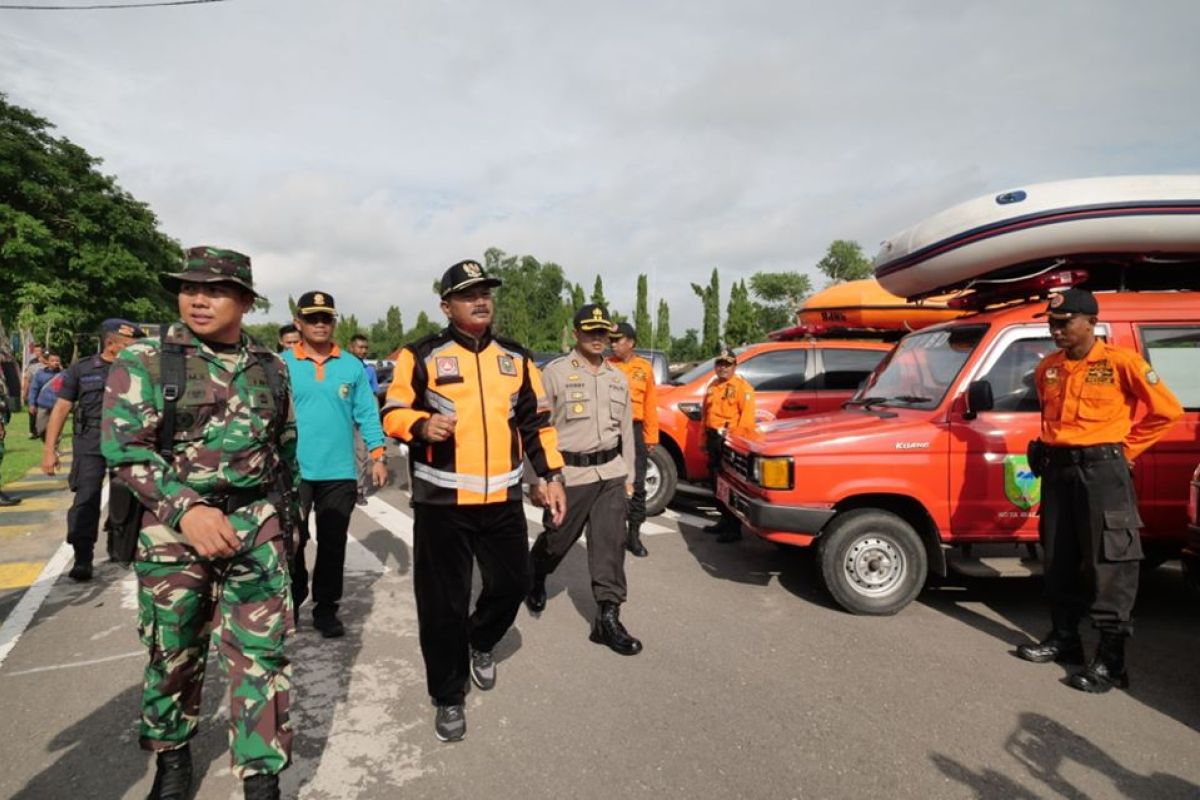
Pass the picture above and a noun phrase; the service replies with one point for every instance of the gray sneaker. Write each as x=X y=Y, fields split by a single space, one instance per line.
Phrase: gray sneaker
x=483 y=669
x=450 y=724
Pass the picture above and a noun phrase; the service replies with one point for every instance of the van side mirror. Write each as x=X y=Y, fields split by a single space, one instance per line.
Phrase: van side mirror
x=979 y=398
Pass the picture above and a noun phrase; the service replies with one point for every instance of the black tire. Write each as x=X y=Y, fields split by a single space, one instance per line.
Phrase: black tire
x=661 y=479
x=872 y=562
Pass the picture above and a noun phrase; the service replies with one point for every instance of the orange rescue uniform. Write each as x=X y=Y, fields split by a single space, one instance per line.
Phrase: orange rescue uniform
x=1093 y=400
x=640 y=375
x=729 y=404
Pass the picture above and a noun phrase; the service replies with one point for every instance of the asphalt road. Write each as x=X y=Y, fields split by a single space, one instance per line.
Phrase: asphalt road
x=752 y=684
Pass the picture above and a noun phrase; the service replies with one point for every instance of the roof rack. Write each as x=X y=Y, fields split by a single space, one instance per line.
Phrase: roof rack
x=796 y=332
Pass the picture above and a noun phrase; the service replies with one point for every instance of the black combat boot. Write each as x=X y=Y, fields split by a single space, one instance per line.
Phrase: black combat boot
x=535 y=601
x=173 y=776
x=5 y=500
x=633 y=540
x=1065 y=647
x=608 y=630
x=261 y=787
x=1107 y=669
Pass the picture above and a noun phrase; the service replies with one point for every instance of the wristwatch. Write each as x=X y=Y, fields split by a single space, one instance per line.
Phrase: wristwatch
x=555 y=477
x=382 y=459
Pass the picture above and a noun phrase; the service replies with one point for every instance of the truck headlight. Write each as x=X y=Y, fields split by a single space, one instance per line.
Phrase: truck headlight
x=773 y=473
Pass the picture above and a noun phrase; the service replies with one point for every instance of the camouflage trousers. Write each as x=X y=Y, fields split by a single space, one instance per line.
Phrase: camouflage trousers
x=243 y=602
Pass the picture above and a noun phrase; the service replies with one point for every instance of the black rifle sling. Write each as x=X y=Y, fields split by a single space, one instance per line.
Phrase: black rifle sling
x=174 y=378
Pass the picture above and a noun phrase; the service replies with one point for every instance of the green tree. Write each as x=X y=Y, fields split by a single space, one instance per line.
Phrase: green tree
x=387 y=334
x=265 y=333
x=598 y=293
x=424 y=327
x=710 y=296
x=742 y=325
x=844 y=261
x=578 y=297
x=346 y=328
x=781 y=295
x=688 y=347
x=530 y=305
x=662 y=328
x=75 y=247
x=641 y=312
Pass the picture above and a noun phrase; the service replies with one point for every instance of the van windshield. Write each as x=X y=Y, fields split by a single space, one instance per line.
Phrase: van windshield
x=919 y=370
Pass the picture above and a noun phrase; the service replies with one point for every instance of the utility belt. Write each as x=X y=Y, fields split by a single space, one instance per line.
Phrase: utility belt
x=1060 y=456
x=235 y=499
x=594 y=459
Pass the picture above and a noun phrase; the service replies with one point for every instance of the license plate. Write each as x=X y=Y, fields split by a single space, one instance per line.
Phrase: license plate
x=723 y=490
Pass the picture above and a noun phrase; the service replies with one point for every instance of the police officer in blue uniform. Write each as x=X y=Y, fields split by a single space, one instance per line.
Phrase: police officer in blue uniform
x=83 y=393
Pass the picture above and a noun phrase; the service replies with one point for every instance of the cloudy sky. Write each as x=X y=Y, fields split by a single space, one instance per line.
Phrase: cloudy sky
x=361 y=146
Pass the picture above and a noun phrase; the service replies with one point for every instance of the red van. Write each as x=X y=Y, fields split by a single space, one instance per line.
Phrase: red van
x=928 y=459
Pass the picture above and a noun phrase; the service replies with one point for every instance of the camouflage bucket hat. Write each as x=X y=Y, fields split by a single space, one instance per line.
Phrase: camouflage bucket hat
x=212 y=265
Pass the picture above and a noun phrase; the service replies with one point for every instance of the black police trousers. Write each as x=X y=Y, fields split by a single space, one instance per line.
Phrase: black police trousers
x=1089 y=533
x=445 y=541
x=712 y=445
x=637 y=503
x=601 y=506
x=332 y=502
x=83 y=519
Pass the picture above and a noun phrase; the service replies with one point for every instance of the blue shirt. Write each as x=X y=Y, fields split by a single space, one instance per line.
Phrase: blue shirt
x=372 y=377
x=331 y=399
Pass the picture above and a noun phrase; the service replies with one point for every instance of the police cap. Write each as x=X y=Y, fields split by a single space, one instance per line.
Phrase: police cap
x=316 y=303
x=624 y=331
x=593 y=317
x=123 y=327
x=464 y=275
x=726 y=356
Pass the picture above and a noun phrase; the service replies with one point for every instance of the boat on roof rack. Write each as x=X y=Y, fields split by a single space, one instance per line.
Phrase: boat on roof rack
x=1130 y=232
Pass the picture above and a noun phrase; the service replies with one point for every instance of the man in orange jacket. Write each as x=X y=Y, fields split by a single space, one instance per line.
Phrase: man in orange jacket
x=1089 y=522
x=472 y=407
x=728 y=405
x=644 y=396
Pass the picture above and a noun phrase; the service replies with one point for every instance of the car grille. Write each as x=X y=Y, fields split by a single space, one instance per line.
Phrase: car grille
x=737 y=463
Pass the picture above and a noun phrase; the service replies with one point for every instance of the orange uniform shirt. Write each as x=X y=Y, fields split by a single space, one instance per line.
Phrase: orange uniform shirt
x=1094 y=400
x=643 y=392
x=729 y=404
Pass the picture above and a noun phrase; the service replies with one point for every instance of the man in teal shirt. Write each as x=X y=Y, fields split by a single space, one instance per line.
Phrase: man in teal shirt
x=332 y=397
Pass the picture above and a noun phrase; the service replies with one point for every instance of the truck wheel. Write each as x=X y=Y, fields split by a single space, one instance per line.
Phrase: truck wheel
x=661 y=478
x=872 y=562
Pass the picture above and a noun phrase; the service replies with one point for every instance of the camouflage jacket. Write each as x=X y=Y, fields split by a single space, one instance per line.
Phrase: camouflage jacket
x=222 y=439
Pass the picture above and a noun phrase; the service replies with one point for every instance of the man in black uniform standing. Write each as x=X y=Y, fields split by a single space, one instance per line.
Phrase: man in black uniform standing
x=83 y=391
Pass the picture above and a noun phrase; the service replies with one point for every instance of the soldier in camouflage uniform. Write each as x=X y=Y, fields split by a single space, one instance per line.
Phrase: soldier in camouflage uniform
x=211 y=554
x=5 y=500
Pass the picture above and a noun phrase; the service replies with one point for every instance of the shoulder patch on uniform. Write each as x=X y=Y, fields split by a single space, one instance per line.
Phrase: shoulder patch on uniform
x=1151 y=376
x=506 y=365
x=447 y=366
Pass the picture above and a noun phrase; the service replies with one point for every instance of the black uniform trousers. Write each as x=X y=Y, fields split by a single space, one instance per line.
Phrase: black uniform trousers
x=712 y=443
x=637 y=503
x=601 y=506
x=332 y=502
x=1089 y=533
x=445 y=540
x=83 y=519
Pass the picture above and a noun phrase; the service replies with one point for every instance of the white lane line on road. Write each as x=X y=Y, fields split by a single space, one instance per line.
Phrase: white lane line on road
x=391 y=518
x=688 y=519
x=74 y=664
x=32 y=600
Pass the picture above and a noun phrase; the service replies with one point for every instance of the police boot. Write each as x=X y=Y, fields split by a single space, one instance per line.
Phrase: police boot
x=633 y=540
x=261 y=787
x=535 y=601
x=173 y=776
x=1107 y=669
x=1062 y=646
x=608 y=630
x=5 y=500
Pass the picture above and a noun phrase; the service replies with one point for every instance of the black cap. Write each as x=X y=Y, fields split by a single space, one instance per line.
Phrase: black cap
x=726 y=355
x=1064 y=304
x=316 y=303
x=624 y=331
x=123 y=327
x=593 y=317
x=464 y=275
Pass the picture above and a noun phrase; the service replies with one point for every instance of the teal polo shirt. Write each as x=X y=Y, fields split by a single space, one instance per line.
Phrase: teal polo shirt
x=332 y=398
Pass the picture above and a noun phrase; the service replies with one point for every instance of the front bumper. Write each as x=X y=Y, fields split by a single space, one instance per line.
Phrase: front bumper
x=774 y=521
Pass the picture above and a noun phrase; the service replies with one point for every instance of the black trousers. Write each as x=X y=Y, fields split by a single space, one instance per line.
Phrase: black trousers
x=1090 y=542
x=83 y=519
x=332 y=502
x=601 y=506
x=445 y=540
x=712 y=444
x=637 y=503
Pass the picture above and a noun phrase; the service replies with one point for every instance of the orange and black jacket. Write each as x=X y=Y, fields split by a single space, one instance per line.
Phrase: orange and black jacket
x=494 y=391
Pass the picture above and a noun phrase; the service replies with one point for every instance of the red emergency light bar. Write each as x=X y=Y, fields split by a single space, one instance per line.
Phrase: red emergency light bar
x=993 y=293
x=797 y=332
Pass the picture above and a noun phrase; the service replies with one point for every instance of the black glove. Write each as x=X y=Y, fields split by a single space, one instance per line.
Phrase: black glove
x=1035 y=453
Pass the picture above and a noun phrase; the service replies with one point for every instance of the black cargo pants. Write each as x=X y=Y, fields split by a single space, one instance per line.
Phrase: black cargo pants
x=85 y=479
x=1089 y=533
x=637 y=503
x=601 y=506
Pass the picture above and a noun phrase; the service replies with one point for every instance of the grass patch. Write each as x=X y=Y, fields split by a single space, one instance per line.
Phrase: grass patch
x=21 y=453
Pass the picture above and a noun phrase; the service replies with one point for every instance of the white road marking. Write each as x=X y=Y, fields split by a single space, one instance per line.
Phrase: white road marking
x=35 y=595
x=74 y=664
x=391 y=518
x=688 y=519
